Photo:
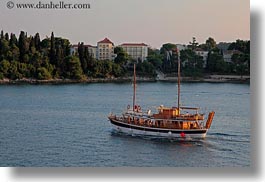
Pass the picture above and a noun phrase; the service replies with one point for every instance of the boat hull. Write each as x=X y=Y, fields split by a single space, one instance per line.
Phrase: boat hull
x=157 y=132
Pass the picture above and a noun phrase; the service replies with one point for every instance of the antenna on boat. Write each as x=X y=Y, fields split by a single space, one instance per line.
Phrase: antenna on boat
x=134 y=87
x=178 y=82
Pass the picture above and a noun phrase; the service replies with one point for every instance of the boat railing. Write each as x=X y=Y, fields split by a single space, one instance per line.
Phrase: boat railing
x=160 y=123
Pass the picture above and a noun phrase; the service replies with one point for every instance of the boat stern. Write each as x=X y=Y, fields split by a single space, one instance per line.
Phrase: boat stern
x=209 y=120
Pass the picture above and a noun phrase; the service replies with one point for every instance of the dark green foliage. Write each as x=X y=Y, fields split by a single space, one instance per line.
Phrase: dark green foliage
x=122 y=56
x=86 y=59
x=2 y=34
x=4 y=48
x=215 y=62
x=22 y=45
x=4 y=67
x=210 y=44
x=191 y=63
x=155 y=58
x=13 y=40
x=193 y=45
x=81 y=52
x=241 y=59
x=241 y=62
x=7 y=37
x=145 y=69
x=240 y=45
x=52 y=50
x=73 y=68
x=43 y=74
x=14 y=71
x=169 y=54
x=37 y=41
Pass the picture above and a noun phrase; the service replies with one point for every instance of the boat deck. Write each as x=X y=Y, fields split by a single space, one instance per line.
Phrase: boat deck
x=159 y=123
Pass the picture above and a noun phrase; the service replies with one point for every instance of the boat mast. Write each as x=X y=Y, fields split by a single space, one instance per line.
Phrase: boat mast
x=178 y=83
x=134 y=87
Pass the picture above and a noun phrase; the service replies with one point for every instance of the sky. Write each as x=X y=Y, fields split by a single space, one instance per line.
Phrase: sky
x=153 y=22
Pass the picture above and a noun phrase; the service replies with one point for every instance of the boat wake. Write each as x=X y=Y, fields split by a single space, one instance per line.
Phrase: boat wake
x=229 y=137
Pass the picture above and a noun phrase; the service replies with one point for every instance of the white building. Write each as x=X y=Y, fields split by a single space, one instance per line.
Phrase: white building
x=105 y=50
x=138 y=51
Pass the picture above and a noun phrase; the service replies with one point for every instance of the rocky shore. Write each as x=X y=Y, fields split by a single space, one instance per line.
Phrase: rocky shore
x=209 y=78
x=72 y=81
x=212 y=79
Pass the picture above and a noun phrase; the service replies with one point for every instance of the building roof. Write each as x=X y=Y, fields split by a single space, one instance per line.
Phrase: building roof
x=133 y=44
x=106 y=41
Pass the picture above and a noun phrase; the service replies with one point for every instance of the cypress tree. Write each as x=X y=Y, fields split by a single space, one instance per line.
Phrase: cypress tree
x=22 y=45
x=59 y=56
x=2 y=34
x=7 y=37
x=13 y=39
x=86 y=60
x=81 y=53
x=52 y=50
x=37 y=41
x=32 y=48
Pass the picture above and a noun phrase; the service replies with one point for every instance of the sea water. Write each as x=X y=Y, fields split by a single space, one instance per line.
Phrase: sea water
x=67 y=125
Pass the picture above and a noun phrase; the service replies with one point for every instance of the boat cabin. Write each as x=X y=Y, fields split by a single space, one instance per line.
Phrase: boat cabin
x=166 y=113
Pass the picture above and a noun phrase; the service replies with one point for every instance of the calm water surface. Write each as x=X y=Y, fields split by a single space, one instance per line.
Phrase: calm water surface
x=66 y=125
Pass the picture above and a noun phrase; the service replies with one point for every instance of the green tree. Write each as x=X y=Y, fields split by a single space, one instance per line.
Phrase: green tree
x=81 y=54
x=122 y=56
x=13 y=72
x=215 y=62
x=169 y=54
x=145 y=69
x=37 y=41
x=194 y=44
x=7 y=37
x=117 y=71
x=13 y=40
x=12 y=53
x=210 y=44
x=240 y=45
x=32 y=48
x=155 y=58
x=4 y=67
x=4 y=48
x=73 y=68
x=52 y=50
x=43 y=74
x=241 y=63
x=192 y=64
x=22 y=45
x=59 y=56
x=2 y=34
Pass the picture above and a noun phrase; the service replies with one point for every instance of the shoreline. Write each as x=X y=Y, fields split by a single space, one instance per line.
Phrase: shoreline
x=206 y=79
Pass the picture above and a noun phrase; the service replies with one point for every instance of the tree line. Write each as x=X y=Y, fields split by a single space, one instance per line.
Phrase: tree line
x=50 y=58
x=193 y=64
